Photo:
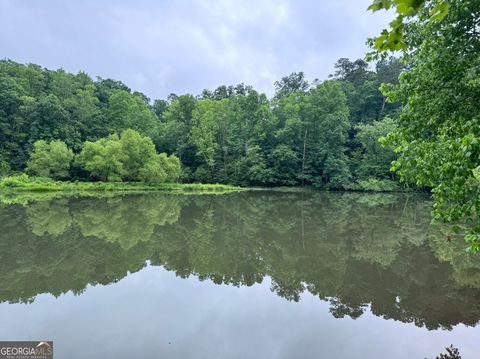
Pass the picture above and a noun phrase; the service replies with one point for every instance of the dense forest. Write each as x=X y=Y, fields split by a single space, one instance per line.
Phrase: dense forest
x=321 y=133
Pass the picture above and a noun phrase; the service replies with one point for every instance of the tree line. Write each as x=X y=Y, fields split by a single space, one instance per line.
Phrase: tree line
x=320 y=133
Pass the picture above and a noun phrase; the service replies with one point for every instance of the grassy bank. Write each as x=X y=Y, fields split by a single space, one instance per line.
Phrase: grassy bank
x=36 y=184
x=370 y=185
x=24 y=183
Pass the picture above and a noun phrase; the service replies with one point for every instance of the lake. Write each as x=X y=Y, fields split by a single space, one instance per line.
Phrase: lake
x=247 y=275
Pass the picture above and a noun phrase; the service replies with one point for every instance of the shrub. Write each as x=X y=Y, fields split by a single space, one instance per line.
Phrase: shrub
x=15 y=181
x=130 y=157
x=4 y=168
x=376 y=185
x=50 y=159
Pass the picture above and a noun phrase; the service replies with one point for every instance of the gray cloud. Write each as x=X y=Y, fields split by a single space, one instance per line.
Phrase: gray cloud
x=180 y=46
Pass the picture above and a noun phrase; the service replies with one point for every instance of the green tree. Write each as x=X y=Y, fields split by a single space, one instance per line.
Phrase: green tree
x=160 y=107
x=438 y=129
x=50 y=159
x=103 y=159
x=326 y=136
x=130 y=157
x=288 y=155
x=293 y=83
x=362 y=87
x=374 y=159
x=105 y=88
x=175 y=130
x=12 y=130
x=394 y=39
x=129 y=111
x=356 y=72
x=172 y=165
x=253 y=168
x=49 y=121
x=61 y=84
x=161 y=168
x=206 y=118
x=4 y=168
x=136 y=152
x=84 y=108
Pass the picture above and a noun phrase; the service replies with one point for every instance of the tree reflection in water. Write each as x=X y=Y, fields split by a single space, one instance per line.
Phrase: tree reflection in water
x=359 y=252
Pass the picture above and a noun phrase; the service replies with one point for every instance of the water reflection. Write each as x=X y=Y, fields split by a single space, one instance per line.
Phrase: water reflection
x=359 y=252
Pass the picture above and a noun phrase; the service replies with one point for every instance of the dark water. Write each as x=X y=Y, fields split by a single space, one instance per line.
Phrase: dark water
x=250 y=275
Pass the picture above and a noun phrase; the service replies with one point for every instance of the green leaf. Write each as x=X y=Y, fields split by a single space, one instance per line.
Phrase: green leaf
x=379 y=5
x=440 y=11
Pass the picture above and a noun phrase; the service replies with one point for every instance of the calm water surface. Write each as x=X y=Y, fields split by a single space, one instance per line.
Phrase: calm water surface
x=250 y=275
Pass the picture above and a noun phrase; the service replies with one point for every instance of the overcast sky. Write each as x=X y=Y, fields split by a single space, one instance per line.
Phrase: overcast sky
x=159 y=47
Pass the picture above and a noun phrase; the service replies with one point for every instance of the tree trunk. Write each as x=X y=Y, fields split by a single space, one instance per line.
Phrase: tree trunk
x=303 y=157
x=382 y=109
x=225 y=162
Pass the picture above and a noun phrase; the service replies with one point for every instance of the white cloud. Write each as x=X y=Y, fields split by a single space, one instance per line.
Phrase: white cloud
x=159 y=47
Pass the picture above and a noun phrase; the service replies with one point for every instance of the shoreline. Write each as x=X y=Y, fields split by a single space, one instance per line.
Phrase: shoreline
x=24 y=183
